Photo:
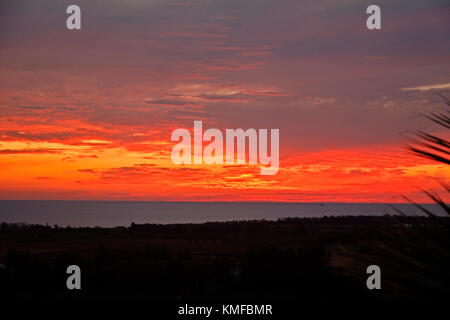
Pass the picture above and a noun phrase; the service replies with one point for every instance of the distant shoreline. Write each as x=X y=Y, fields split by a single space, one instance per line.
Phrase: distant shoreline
x=123 y=213
x=355 y=220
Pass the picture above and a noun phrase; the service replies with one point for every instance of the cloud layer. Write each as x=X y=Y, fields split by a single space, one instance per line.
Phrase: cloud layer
x=89 y=114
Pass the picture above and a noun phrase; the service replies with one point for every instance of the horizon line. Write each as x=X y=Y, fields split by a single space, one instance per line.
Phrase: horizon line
x=217 y=201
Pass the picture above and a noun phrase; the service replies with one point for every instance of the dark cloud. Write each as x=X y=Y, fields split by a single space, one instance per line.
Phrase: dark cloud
x=30 y=151
x=170 y=102
x=87 y=171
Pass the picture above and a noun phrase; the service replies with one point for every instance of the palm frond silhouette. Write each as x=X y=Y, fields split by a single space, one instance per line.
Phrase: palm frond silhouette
x=435 y=148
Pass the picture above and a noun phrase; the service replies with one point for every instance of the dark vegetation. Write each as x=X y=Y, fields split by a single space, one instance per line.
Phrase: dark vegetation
x=289 y=259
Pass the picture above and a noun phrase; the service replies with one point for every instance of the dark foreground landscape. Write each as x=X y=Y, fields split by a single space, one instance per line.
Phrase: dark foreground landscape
x=288 y=259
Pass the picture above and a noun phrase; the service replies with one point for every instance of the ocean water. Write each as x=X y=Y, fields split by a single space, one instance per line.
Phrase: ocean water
x=123 y=213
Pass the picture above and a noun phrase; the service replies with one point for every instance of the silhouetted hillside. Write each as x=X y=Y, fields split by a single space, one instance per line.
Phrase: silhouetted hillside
x=290 y=259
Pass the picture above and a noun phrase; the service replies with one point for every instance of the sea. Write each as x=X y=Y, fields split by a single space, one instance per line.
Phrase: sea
x=123 y=213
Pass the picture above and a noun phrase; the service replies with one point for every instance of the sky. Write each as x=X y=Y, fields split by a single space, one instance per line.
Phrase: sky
x=88 y=114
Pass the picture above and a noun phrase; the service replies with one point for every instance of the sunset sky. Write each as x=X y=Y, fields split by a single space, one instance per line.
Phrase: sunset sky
x=88 y=114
